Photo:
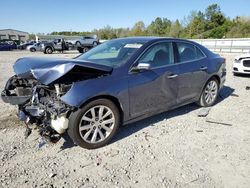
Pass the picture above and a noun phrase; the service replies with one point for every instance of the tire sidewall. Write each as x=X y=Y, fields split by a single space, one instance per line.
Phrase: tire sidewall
x=75 y=119
x=49 y=50
x=85 y=49
x=203 y=100
x=32 y=49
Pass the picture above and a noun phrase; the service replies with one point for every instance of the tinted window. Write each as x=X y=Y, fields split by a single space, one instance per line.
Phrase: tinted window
x=188 y=52
x=158 y=55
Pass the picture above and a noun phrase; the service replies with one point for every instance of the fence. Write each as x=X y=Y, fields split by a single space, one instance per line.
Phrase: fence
x=234 y=45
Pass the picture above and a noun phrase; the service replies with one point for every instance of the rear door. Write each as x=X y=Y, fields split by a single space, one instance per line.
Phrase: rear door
x=154 y=90
x=192 y=67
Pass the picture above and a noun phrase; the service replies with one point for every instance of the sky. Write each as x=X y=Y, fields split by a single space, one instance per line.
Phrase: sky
x=45 y=16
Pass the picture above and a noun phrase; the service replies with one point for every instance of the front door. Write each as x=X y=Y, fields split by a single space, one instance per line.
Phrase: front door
x=58 y=44
x=156 y=89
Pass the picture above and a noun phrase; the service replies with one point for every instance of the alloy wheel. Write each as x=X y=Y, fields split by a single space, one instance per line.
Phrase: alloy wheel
x=96 y=124
x=211 y=91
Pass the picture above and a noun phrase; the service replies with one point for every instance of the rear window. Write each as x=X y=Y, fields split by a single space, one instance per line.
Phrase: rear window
x=188 y=52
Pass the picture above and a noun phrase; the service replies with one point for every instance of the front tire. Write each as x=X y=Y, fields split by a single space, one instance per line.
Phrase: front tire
x=209 y=93
x=95 y=124
x=32 y=49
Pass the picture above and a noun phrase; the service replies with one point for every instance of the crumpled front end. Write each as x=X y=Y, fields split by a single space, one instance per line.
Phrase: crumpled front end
x=38 y=86
x=39 y=104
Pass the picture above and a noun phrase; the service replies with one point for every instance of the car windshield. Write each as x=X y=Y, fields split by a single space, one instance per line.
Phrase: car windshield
x=112 y=53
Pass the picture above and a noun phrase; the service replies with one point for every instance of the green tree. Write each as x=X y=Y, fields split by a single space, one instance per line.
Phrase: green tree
x=138 y=29
x=196 y=26
x=159 y=27
x=175 y=29
x=214 y=16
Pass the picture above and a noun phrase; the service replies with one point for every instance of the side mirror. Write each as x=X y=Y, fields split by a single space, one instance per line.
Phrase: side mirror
x=141 y=67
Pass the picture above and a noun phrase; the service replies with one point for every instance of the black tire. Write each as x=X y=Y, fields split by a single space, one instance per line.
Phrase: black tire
x=48 y=50
x=95 y=43
x=32 y=49
x=80 y=50
x=202 y=100
x=76 y=118
x=85 y=49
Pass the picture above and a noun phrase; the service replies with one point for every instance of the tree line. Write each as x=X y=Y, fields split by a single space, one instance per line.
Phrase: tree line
x=212 y=23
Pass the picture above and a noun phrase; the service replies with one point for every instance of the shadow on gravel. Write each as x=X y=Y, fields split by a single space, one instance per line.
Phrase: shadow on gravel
x=127 y=130
x=68 y=143
x=225 y=92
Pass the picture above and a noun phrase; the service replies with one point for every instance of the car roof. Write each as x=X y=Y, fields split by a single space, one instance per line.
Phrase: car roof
x=145 y=39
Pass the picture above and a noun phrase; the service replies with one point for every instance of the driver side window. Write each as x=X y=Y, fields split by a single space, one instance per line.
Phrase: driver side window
x=159 y=55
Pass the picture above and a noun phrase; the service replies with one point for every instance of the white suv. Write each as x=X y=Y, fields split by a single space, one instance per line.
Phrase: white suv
x=242 y=64
x=87 y=41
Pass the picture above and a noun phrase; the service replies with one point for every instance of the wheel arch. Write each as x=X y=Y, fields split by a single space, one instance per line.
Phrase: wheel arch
x=217 y=78
x=112 y=99
x=212 y=76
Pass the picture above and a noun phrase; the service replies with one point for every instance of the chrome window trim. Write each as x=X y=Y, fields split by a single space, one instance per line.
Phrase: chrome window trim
x=158 y=42
x=181 y=62
x=175 y=63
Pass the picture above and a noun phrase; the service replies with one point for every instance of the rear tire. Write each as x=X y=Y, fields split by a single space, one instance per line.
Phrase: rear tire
x=80 y=50
x=210 y=93
x=95 y=124
x=85 y=49
x=48 y=50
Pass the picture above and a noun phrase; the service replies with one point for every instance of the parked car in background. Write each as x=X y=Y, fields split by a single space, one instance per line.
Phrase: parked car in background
x=55 y=45
x=118 y=82
x=7 y=46
x=241 y=64
x=23 y=46
x=35 y=47
x=87 y=41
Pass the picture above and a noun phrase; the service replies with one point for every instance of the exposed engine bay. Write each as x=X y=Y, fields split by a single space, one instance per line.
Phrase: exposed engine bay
x=37 y=93
x=39 y=104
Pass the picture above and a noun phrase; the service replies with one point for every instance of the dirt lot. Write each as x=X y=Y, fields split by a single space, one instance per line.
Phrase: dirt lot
x=174 y=149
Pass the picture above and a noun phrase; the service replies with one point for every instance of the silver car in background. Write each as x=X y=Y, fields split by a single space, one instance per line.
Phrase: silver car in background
x=87 y=41
x=35 y=47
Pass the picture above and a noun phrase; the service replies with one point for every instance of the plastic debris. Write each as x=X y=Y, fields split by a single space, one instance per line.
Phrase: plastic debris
x=42 y=142
x=217 y=122
x=203 y=112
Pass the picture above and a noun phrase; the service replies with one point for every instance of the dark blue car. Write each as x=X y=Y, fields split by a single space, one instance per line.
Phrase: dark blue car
x=118 y=82
x=7 y=46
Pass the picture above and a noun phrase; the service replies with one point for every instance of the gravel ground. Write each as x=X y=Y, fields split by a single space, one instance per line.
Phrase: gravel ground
x=173 y=149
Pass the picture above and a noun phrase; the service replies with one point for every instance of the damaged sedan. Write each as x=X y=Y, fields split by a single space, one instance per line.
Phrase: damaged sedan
x=118 y=82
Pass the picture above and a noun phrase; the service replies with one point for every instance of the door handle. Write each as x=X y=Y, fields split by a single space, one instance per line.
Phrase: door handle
x=172 y=76
x=203 y=68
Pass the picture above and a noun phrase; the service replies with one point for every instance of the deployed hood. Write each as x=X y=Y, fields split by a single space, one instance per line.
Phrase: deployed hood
x=47 y=70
